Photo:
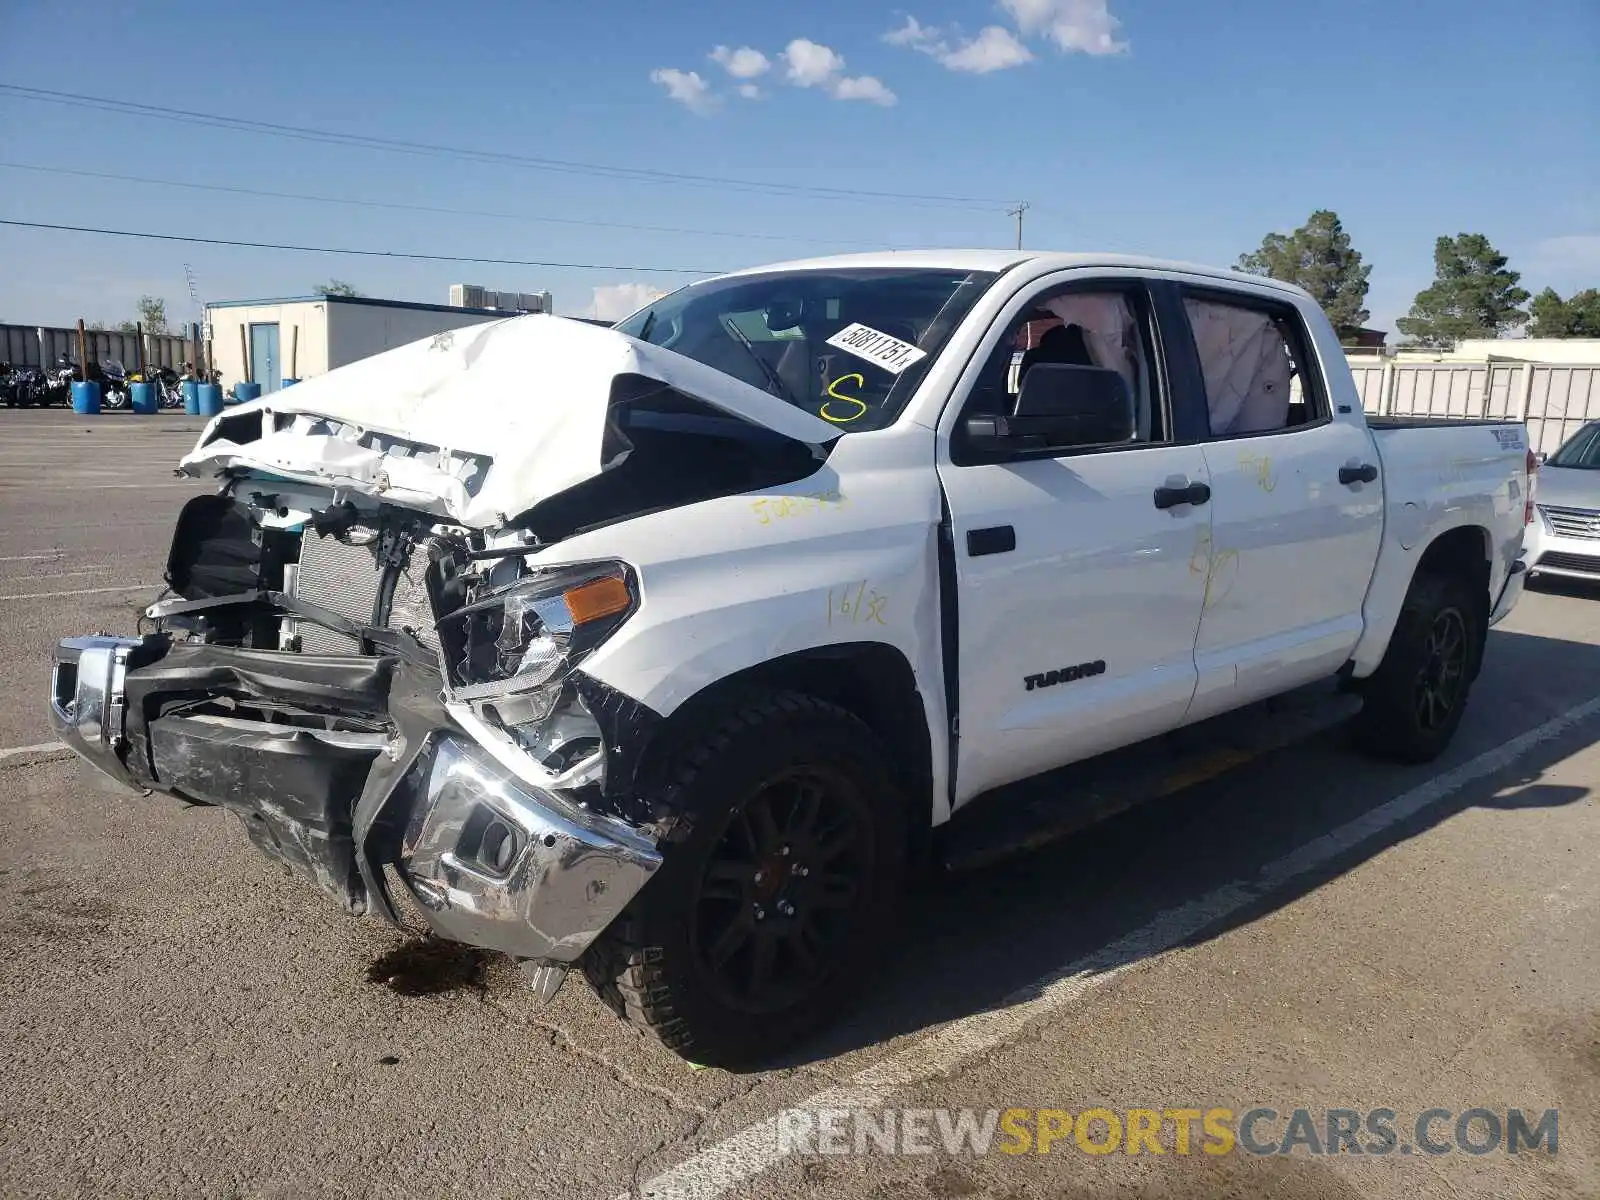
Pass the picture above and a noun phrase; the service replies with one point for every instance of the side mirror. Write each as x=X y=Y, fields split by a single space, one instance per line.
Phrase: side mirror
x=1061 y=406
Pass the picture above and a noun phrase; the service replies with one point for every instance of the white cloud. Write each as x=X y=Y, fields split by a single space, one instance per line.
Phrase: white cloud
x=750 y=91
x=1083 y=25
x=863 y=87
x=810 y=63
x=744 y=63
x=619 y=300
x=687 y=88
x=918 y=36
x=994 y=49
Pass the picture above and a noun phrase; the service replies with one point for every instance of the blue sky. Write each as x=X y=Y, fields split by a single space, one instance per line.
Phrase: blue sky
x=1183 y=130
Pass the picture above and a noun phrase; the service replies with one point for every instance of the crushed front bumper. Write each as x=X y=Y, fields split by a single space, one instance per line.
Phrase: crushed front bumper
x=490 y=858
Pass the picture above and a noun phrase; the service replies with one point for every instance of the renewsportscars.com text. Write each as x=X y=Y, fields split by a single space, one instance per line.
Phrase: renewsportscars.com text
x=1176 y=1131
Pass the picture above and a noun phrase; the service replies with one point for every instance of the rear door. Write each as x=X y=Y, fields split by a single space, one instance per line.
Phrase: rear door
x=1297 y=504
x=1078 y=597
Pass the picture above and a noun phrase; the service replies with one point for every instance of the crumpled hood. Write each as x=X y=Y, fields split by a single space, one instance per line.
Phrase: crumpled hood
x=528 y=395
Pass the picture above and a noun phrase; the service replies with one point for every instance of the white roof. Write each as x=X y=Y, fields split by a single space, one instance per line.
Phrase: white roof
x=1039 y=262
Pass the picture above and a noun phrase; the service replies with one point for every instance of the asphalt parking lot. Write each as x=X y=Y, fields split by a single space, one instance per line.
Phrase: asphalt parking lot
x=179 y=1018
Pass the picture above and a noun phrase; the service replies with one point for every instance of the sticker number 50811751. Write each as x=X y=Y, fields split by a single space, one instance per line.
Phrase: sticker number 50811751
x=877 y=348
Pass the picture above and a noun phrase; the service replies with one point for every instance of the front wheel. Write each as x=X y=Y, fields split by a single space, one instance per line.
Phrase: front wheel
x=776 y=888
x=1414 y=701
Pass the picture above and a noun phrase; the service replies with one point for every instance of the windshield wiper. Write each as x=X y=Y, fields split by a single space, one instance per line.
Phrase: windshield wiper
x=774 y=380
x=649 y=324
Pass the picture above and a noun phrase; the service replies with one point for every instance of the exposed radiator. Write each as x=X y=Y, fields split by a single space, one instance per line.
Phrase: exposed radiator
x=344 y=575
x=409 y=607
x=339 y=575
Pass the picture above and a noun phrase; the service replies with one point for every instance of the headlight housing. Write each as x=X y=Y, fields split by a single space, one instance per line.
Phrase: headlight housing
x=509 y=652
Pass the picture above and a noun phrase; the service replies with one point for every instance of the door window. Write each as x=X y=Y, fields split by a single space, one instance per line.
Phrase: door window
x=1076 y=327
x=1255 y=365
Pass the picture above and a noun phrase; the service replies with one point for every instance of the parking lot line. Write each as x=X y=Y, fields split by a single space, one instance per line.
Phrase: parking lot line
x=31 y=557
x=54 y=748
x=724 y=1165
x=128 y=587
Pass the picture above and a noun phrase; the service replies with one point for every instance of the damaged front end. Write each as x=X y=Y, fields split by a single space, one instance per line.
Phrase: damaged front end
x=369 y=652
x=380 y=697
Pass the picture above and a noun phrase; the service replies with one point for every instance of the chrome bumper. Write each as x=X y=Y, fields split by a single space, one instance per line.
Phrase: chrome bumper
x=491 y=860
x=498 y=863
x=87 y=705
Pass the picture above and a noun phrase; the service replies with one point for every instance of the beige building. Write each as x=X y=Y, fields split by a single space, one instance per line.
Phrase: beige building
x=270 y=341
x=1544 y=350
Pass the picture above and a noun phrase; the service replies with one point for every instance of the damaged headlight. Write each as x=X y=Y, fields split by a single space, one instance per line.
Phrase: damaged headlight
x=509 y=652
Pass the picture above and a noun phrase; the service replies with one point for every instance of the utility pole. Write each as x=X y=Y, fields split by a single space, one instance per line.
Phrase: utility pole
x=1017 y=212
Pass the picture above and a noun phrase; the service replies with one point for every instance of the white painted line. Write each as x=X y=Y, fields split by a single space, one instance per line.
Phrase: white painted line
x=32 y=557
x=55 y=749
x=131 y=587
x=728 y=1163
x=103 y=487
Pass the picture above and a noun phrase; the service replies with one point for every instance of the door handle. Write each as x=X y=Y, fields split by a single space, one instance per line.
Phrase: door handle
x=1365 y=473
x=1171 y=497
x=996 y=539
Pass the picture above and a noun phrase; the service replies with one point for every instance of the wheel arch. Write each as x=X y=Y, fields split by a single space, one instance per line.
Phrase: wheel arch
x=1465 y=551
x=873 y=681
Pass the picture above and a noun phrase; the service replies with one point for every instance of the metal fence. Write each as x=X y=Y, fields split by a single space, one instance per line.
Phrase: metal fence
x=1553 y=398
x=40 y=346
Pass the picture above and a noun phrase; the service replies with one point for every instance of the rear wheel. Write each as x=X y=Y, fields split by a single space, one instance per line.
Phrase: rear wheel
x=774 y=892
x=1414 y=701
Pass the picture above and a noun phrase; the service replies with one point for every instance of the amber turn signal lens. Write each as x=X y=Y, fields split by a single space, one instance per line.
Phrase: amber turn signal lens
x=596 y=599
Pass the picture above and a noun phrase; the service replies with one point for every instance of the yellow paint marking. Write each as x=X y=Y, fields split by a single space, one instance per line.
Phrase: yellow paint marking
x=861 y=381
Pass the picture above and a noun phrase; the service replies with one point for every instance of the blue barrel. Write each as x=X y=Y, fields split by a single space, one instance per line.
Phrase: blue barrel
x=142 y=396
x=283 y=383
x=191 y=397
x=243 y=393
x=86 y=397
x=210 y=399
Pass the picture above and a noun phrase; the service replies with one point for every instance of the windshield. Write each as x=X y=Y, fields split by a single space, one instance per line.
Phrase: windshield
x=1582 y=451
x=849 y=346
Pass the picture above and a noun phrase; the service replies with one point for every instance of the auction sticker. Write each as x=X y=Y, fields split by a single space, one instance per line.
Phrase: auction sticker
x=880 y=349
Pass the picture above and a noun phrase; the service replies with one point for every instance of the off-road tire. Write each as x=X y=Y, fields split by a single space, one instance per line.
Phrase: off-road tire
x=645 y=965
x=1391 y=725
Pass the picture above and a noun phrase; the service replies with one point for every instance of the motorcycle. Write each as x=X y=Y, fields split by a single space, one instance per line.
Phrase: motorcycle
x=113 y=384
x=58 y=381
x=24 y=386
x=165 y=382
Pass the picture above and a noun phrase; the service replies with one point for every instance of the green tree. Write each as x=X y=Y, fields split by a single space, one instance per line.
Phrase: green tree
x=1474 y=294
x=1318 y=257
x=336 y=287
x=1577 y=317
x=152 y=314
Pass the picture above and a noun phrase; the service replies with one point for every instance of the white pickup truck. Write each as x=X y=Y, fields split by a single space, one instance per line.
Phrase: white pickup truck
x=670 y=650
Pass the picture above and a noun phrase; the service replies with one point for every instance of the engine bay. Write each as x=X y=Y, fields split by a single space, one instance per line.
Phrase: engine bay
x=306 y=572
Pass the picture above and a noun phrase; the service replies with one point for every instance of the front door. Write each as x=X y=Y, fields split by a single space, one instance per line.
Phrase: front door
x=1079 y=588
x=264 y=368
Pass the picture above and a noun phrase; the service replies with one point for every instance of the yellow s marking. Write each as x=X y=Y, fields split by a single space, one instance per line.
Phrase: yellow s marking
x=861 y=381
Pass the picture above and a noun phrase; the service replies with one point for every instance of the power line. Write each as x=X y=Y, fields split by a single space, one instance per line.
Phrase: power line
x=425 y=208
x=602 y=170
x=455 y=258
